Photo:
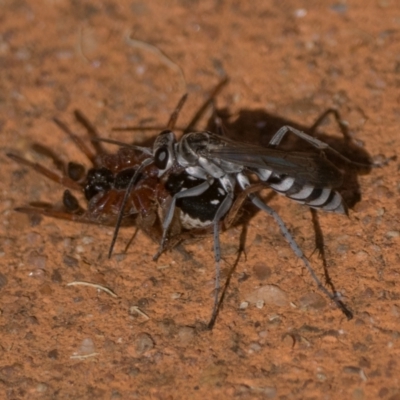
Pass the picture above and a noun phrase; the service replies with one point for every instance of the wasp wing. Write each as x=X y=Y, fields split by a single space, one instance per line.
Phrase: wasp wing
x=308 y=168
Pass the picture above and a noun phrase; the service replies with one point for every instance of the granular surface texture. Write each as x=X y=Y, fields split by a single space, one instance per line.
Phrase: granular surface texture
x=276 y=336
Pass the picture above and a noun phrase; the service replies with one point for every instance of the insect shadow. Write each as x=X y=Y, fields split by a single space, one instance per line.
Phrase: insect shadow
x=262 y=127
x=258 y=127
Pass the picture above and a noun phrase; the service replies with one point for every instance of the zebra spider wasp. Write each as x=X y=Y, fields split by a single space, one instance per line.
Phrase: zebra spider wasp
x=215 y=161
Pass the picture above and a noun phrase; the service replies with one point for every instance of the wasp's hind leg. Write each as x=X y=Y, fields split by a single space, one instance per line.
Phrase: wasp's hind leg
x=299 y=253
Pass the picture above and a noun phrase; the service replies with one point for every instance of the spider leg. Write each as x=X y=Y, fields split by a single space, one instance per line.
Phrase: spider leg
x=63 y=180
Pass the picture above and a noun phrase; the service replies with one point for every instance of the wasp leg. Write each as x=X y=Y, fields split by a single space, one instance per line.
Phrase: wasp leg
x=342 y=124
x=222 y=210
x=277 y=138
x=195 y=191
x=231 y=217
x=299 y=253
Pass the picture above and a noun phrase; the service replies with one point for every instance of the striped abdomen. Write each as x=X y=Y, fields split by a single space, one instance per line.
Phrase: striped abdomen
x=326 y=199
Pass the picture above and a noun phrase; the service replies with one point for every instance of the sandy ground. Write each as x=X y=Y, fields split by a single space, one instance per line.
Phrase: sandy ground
x=128 y=63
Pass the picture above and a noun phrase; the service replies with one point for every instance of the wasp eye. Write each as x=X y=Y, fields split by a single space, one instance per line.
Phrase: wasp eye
x=161 y=158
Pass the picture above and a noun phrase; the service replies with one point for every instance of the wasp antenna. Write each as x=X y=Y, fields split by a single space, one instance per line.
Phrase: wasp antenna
x=144 y=164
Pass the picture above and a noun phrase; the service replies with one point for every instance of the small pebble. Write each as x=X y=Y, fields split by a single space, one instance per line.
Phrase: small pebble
x=41 y=387
x=358 y=394
x=11 y=372
x=260 y=304
x=261 y=271
x=362 y=255
x=36 y=260
x=254 y=348
x=351 y=370
x=289 y=341
x=56 y=276
x=32 y=320
x=87 y=239
x=380 y=212
x=46 y=290
x=321 y=377
x=37 y=273
x=342 y=249
x=133 y=372
x=392 y=234
x=269 y=392
x=395 y=311
x=86 y=347
x=364 y=362
x=186 y=334
x=62 y=99
x=34 y=239
x=79 y=249
x=300 y=13
x=35 y=220
x=70 y=261
x=268 y=294
x=383 y=392
x=53 y=354
x=339 y=8
x=243 y=305
x=143 y=343
x=383 y=192
x=312 y=301
x=213 y=375
x=274 y=321
x=358 y=346
x=367 y=293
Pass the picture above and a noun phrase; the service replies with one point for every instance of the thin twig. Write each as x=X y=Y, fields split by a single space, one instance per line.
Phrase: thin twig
x=158 y=53
x=137 y=310
x=94 y=285
x=83 y=357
